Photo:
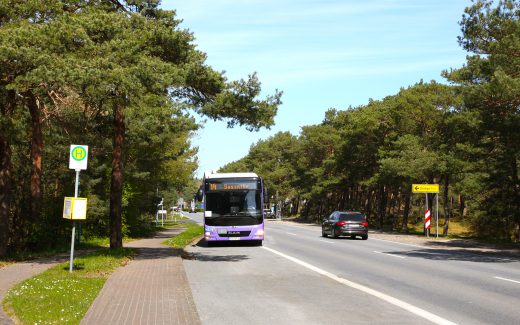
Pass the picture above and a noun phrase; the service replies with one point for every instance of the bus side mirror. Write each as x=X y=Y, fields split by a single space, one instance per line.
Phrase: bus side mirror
x=198 y=196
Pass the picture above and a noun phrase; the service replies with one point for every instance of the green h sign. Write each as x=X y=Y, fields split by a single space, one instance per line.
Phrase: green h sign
x=78 y=157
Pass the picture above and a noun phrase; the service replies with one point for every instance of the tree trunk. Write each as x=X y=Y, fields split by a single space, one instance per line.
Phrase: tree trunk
x=462 y=207
x=445 y=203
x=36 y=157
x=297 y=205
x=5 y=193
x=406 y=211
x=368 y=207
x=116 y=187
x=381 y=205
x=397 y=206
x=341 y=206
x=516 y=189
x=5 y=173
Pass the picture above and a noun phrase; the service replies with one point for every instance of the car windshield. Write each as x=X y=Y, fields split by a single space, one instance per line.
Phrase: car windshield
x=352 y=217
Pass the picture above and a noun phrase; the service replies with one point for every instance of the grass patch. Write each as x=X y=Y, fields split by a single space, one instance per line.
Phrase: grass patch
x=27 y=255
x=4 y=263
x=192 y=231
x=457 y=229
x=59 y=297
x=88 y=243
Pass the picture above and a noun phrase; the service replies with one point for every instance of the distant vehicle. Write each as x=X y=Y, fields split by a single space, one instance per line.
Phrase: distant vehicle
x=267 y=214
x=345 y=223
x=233 y=207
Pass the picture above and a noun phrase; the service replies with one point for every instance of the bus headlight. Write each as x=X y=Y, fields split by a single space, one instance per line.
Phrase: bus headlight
x=207 y=234
x=259 y=233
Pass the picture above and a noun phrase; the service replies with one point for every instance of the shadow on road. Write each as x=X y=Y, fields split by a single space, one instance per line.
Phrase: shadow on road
x=457 y=255
x=227 y=243
x=211 y=256
x=215 y=258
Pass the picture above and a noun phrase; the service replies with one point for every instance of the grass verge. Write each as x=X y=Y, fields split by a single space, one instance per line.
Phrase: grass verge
x=4 y=263
x=88 y=243
x=27 y=255
x=59 y=297
x=457 y=229
x=192 y=231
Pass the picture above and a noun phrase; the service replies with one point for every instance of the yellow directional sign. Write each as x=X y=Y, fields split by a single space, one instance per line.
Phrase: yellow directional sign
x=425 y=188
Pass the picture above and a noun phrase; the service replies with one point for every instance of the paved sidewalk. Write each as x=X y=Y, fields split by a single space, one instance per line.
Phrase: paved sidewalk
x=151 y=289
x=17 y=272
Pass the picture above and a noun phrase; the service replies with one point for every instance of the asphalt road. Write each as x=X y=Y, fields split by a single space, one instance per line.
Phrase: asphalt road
x=300 y=277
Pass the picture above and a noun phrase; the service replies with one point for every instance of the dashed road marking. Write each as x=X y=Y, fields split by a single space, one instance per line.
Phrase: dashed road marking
x=326 y=241
x=393 y=255
x=504 y=279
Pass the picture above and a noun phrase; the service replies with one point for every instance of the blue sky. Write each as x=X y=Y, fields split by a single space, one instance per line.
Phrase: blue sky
x=321 y=53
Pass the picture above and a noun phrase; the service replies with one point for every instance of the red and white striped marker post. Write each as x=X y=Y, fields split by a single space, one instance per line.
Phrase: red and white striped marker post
x=427 y=222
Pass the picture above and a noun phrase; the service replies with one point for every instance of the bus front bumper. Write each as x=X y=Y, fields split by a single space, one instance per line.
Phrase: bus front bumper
x=214 y=233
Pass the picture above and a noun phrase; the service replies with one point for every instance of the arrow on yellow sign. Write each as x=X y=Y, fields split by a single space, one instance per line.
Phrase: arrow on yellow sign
x=425 y=188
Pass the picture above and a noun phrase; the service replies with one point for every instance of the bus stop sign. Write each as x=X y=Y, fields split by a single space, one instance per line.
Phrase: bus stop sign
x=78 y=157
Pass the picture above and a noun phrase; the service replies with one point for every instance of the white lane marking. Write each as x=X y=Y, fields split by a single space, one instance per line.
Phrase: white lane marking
x=290 y=233
x=326 y=241
x=389 y=254
x=514 y=281
x=396 y=242
x=394 y=301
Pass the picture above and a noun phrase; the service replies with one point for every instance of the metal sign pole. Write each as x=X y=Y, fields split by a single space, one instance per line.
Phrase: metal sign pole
x=427 y=232
x=73 y=223
x=437 y=215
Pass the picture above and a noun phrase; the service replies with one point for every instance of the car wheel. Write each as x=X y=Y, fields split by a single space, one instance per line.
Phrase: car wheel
x=323 y=234
x=364 y=237
x=335 y=232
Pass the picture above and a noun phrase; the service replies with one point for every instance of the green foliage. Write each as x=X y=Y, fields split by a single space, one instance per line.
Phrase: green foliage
x=238 y=101
x=490 y=85
x=80 y=60
x=273 y=160
x=465 y=136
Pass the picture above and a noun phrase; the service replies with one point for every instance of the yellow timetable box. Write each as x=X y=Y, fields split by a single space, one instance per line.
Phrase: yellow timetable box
x=75 y=208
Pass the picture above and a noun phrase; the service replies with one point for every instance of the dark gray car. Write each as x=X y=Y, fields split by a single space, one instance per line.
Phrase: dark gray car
x=345 y=223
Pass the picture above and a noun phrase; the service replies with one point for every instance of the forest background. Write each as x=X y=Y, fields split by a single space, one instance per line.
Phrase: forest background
x=462 y=134
x=122 y=77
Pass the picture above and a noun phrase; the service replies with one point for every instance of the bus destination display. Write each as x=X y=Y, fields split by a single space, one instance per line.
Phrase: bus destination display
x=231 y=186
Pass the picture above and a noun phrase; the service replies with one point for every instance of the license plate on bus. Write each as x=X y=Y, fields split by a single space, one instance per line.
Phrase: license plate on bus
x=234 y=238
x=222 y=231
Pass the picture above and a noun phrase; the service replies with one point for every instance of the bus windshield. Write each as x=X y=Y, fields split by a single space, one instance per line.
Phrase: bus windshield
x=233 y=208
